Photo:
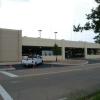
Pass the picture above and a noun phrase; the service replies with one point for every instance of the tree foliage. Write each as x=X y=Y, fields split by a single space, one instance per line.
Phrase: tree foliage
x=93 y=23
x=57 y=50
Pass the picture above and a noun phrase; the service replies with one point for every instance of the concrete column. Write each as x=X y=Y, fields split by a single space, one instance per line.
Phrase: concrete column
x=19 y=46
x=85 y=49
x=63 y=53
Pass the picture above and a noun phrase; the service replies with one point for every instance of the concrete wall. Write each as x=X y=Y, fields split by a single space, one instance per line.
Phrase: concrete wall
x=10 y=46
x=92 y=56
x=29 y=41
x=52 y=58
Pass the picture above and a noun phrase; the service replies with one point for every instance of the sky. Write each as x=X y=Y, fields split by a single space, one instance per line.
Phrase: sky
x=47 y=15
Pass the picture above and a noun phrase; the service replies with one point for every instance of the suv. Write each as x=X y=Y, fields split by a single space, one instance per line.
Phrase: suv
x=35 y=60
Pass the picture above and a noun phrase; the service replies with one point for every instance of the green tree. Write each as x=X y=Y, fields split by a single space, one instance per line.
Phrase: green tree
x=93 y=22
x=57 y=50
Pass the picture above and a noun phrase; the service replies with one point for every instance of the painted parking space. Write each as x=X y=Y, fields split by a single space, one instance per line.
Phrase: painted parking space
x=4 y=77
x=4 y=94
x=8 y=74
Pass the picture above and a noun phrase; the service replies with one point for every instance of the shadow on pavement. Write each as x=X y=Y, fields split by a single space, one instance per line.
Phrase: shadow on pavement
x=20 y=66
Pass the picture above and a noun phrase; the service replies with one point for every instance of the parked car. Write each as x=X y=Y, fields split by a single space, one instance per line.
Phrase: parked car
x=35 y=60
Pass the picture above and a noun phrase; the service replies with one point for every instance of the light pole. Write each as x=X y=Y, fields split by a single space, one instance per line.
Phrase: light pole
x=55 y=45
x=55 y=36
x=39 y=33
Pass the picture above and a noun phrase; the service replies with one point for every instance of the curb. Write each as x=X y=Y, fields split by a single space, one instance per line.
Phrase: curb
x=7 y=67
x=93 y=63
x=68 y=64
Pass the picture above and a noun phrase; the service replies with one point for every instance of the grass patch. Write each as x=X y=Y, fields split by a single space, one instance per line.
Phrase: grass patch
x=93 y=96
x=84 y=94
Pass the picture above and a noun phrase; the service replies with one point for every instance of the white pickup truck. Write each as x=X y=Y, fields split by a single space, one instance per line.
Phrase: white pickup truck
x=32 y=61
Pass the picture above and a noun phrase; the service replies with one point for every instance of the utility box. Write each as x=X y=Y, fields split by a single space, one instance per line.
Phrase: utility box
x=10 y=46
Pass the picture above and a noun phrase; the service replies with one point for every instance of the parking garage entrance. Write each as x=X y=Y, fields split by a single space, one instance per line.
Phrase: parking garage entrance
x=74 y=52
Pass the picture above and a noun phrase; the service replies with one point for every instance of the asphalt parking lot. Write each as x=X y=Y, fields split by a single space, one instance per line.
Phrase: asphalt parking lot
x=47 y=79
x=44 y=83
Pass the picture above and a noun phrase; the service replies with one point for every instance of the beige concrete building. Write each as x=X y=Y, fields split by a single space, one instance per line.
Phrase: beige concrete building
x=13 y=46
x=10 y=46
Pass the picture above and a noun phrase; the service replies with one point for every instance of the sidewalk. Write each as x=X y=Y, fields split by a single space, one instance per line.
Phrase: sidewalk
x=69 y=62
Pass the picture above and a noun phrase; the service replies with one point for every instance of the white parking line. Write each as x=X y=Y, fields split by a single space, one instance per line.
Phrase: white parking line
x=8 y=74
x=4 y=94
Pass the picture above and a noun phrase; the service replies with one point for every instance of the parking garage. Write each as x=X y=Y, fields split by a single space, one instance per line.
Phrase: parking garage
x=13 y=46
